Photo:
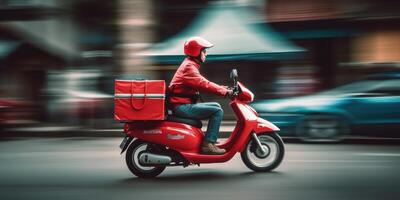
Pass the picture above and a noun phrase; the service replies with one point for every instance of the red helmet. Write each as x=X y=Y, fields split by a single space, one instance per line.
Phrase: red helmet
x=194 y=45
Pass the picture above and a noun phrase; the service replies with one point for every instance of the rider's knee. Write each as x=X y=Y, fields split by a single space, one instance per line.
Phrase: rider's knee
x=216 y=104
x=219 y=111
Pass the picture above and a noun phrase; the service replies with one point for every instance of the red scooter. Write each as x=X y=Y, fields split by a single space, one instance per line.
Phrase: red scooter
x=176 y=141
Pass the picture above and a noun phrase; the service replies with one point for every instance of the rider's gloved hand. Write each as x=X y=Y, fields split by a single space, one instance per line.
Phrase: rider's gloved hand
x=229 y=93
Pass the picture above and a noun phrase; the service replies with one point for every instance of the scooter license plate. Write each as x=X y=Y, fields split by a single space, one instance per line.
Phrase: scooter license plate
x=124 y=141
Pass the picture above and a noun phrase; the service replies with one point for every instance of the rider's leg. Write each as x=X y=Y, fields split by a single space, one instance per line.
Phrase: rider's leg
x=200 y=111
x=214 y=125
x=210 y=110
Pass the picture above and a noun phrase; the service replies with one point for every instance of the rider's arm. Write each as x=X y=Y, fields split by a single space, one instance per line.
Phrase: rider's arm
x=193 y=78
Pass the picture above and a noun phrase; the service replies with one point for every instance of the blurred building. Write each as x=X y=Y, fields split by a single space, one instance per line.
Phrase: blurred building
x=346 y=39
x=38 y=36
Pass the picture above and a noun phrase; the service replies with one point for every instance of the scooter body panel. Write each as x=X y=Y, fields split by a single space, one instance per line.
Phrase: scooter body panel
x=177 y=136
x=187 y=140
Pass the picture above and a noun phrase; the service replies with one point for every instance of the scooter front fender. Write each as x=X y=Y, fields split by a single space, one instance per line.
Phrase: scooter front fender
x=264 y=126
x=261 y=126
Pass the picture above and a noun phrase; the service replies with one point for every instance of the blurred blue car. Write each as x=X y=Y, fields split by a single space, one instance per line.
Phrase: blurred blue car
x=370 y=107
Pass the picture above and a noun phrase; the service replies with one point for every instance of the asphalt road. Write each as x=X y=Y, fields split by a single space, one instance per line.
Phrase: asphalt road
x=91 y=168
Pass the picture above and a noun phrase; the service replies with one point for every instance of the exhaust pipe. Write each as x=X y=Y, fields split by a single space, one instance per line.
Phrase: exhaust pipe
x=154 y=159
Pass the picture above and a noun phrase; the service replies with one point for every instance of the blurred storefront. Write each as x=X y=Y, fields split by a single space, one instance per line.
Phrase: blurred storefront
x=41 y=36
x=346 y=39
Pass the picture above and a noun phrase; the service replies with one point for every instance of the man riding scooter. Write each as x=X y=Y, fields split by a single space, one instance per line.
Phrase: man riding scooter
x=184 y=89
x=152 y=145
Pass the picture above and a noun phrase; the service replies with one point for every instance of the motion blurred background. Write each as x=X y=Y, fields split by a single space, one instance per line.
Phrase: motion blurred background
x=59 y=59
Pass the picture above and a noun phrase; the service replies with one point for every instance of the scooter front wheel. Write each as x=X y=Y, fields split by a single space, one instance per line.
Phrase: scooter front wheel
x=132 y=160
x=259 y=161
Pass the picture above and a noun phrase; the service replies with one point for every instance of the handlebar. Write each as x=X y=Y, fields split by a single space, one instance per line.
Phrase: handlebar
x=234 y=76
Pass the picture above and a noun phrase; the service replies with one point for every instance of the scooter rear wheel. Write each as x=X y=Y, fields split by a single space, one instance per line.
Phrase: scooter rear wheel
x=255 y=160
x=132 y=160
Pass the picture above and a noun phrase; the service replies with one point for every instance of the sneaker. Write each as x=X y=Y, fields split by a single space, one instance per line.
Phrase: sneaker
x=211 y=149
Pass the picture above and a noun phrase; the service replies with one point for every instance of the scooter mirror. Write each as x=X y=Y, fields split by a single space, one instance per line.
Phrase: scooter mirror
x=234 y=74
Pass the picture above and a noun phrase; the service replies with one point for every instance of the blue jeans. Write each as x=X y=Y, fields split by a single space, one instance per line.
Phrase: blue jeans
x=200 y=111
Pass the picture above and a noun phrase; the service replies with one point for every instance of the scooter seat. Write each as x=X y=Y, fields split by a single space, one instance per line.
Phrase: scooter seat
x=191 y=122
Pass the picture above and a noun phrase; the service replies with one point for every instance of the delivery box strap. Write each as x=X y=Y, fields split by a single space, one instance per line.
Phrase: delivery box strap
x=144 y=98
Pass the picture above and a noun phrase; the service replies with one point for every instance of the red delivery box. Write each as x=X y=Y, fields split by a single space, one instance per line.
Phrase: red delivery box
x=139 y=100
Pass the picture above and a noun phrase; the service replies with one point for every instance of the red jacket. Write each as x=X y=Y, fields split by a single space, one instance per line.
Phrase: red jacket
x=188 y=81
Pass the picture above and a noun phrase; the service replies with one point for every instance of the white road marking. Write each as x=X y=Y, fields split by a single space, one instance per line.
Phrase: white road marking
x=379 y=154
x=334 y=161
